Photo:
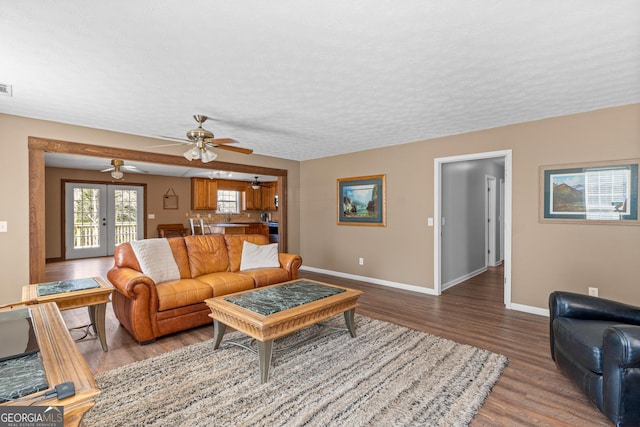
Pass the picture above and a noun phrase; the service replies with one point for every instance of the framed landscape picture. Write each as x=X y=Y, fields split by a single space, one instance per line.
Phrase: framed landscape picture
x=362 y=201
x=593 y=193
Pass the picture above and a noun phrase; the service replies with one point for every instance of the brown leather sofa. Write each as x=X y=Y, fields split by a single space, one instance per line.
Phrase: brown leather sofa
x=209 y=267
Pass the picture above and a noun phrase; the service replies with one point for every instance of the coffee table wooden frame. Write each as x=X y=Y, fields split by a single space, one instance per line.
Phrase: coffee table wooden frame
x=265 y=329
x=62 y=362
x=95 y=299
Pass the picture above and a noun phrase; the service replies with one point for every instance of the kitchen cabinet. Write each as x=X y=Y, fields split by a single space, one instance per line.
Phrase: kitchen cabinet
x=268 y=197
x=261 y=199
x=257 y=228
x=204 y=194
x=252 y=199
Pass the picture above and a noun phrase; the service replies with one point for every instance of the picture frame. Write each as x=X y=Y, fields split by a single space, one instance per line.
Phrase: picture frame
x=590 y=193
x=170 y=200
x=362 y=201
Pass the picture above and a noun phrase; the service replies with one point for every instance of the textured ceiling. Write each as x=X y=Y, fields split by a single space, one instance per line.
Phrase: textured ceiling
x=302 y=79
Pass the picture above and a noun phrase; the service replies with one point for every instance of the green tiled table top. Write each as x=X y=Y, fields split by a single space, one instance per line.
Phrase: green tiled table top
x=279 y=298
x=63 y=286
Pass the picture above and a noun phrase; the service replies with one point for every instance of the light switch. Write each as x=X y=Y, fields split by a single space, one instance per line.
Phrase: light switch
x=152 y=216
x=430 y=222
x=3 y=226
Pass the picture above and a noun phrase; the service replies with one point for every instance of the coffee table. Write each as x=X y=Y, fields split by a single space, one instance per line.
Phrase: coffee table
x=91 y=292
x=274 y=311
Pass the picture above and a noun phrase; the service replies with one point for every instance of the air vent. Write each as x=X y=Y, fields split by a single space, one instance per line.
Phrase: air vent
x=5 y=89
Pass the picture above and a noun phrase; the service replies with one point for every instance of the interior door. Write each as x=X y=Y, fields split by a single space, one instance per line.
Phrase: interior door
x=98 y=217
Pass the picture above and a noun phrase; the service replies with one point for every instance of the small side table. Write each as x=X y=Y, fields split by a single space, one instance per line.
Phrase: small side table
x=92 y=292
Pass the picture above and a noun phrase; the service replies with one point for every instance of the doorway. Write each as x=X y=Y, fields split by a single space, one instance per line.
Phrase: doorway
x=98 y=217
x=506 y=156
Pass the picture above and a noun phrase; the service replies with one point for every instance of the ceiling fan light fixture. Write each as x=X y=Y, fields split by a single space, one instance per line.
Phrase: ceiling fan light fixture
x=255 y=184
x=116 y=174
x=207 y=155
x=192 y=153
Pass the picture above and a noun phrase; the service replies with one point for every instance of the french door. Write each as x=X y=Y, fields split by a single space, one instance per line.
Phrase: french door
x=98 y=217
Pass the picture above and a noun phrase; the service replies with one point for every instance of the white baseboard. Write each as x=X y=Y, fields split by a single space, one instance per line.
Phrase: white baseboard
x=461 y=279
x=530 y=309
x=389 y=283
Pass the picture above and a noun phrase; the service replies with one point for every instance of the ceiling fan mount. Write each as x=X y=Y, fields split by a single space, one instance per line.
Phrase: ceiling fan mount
x=117 y=167
x=199 y=133
x=204 y=141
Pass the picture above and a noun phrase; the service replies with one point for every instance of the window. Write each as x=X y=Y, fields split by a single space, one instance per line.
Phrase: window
x=228 y=201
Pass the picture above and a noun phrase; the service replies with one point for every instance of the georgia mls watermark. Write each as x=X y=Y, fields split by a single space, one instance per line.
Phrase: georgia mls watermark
x=31 y=416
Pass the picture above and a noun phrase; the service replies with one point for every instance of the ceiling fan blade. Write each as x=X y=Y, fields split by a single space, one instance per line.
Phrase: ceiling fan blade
x=236 y=149
x=220 y=141
x=133 y=169
x=250 y=125
x=177 y=142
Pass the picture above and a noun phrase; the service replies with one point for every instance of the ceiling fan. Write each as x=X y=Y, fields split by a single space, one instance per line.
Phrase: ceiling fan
x=204 y=141
x=117 y=165
x=255 y=184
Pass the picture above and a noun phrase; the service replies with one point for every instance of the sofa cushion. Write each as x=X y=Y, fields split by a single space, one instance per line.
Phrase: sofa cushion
x=207 y=254
x=227 y=282
x=259 y=256
x=181 y=293
x=582 y=340
x=267 y=276
x=181 y=256
x=235 y=243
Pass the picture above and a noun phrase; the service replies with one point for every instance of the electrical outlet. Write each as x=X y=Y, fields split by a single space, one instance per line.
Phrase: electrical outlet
x=3 y=226
x=361 y=261
x=593 y=292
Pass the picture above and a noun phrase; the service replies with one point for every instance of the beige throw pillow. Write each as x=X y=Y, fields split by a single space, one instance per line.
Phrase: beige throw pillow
x=156 y=259
x=259 y=256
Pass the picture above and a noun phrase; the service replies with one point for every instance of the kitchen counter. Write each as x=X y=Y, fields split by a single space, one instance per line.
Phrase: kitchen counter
x=225 y=228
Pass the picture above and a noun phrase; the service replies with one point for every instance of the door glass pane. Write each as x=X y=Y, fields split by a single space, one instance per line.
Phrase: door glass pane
x=86 y=218
x=126 y=206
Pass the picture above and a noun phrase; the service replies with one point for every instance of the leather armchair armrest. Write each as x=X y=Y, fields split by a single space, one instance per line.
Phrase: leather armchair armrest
x=578 y=306
x=621 y=373
x=291 y=263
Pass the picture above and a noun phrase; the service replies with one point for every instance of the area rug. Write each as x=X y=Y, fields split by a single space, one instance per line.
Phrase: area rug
x=387 y=375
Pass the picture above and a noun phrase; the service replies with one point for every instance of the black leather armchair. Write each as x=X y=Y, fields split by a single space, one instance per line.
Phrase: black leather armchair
x=596 y=343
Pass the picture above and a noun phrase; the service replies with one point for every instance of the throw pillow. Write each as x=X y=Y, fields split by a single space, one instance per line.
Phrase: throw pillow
x=259 y=256
x=156 y=259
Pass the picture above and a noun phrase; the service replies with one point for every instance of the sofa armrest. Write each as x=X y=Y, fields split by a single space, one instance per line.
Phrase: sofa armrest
x=133 y=284
x=621 y=373
x=291 y=263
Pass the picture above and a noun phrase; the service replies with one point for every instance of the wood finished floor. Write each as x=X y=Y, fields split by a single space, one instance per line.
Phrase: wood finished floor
x=530 y=392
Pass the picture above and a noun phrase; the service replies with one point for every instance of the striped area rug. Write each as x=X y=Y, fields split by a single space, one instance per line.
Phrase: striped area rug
x=388 y=375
